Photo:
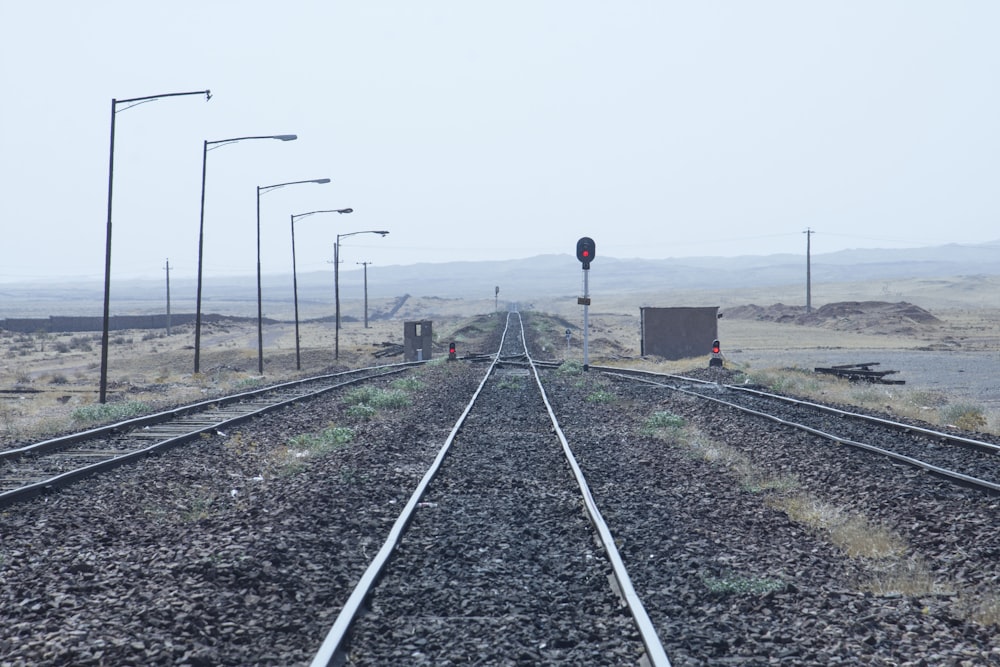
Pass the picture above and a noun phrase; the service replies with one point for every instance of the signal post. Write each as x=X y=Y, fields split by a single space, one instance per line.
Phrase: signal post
x=586 y=249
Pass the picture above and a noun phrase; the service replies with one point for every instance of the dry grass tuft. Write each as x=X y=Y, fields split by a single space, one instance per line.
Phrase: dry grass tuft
x=853 y=534
x=884 y=552
x=982 y=609
x=908 y=576
x=928 y=406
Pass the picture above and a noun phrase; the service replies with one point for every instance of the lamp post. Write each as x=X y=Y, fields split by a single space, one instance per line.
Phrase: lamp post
x=295 y=280
x=336 y=283
x=201 y=227
x=107 y=245
x=263 y=189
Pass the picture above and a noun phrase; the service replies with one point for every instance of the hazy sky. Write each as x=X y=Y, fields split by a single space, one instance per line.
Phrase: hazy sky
x=492 y=130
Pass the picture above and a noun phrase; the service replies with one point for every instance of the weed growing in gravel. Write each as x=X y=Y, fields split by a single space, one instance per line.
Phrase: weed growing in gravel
x=511 y=383
x=349 y=476
x=319 y=443
x=408 y=384
x=362 y=412
x=884 y=551
x=100 y=412
x=570 y=368
x=670 y=427
x=752 y=478
x=853 y=534
x=391 y=399
x=984 y=610
x=903 y=576
x=201 y=508
x=966 y=416
x=664 y=420
x=291 y=458
x=756 y=481
x=360 y=396
x=377 y=398
x=601 y=396
x=736 y=584
x=237 y=443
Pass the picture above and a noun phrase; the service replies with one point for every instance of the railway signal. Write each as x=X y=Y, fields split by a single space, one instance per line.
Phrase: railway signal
x=585 y=251
x=716 y=359
x=451 y=352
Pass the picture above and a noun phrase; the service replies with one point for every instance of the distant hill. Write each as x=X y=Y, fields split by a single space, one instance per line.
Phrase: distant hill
x=530 y=278
x=546 y=275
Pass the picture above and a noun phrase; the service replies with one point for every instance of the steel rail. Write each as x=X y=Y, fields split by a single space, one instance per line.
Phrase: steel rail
x=174 y=413
x=39 y=487
x=951 y=475
x=330 y=647
x=871 y=419
x=655 y=653
x=969 y=443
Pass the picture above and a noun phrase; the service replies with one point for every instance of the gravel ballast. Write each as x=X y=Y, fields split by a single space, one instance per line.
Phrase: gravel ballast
x=232 y=551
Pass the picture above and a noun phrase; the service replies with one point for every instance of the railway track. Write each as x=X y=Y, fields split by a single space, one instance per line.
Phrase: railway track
x=455 y=584
x=45 y=466
x=958 y=459
x=220 y=553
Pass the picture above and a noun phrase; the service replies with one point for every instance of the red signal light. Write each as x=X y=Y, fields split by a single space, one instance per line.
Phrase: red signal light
x=451 y=352
x=716 y=358
x=586 y=249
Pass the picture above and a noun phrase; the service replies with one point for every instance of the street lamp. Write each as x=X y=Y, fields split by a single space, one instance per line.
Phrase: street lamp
x=262 y=189
x=107 y=245
x=336 y=283
x=201 y=227
x=295 y=280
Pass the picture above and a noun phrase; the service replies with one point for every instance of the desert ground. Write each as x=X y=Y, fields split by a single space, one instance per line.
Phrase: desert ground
x=941 y=336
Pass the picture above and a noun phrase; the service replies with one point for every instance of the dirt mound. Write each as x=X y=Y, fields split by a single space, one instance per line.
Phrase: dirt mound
x=874 y=317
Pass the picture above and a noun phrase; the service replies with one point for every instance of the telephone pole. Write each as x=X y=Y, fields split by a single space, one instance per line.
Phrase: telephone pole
x=167 y=267
x=809 y=232
x=365 y=264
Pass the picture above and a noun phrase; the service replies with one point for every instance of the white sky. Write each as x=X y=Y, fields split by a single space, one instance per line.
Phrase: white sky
x=475 y=130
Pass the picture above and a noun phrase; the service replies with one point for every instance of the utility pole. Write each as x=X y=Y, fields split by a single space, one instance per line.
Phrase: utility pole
x=167 y=267
x=809 y=232
x=365 y=264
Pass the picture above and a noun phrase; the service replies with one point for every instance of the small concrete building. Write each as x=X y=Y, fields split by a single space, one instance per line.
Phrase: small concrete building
x=678 y=333
x=417 y=340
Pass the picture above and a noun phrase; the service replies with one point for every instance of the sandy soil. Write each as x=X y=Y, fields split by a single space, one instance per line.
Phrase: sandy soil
x=44 y=377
